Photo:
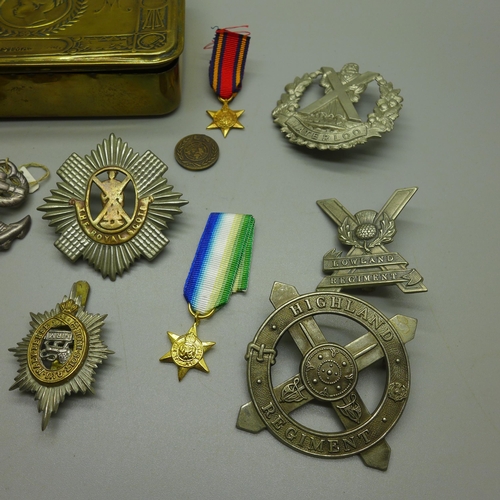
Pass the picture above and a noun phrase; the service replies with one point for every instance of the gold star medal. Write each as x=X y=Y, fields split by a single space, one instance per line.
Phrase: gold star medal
x=187 y=350
x=220 y=267
x=226 y=75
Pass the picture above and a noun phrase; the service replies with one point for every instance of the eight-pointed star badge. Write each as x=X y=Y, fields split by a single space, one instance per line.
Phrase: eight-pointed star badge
x=61 y=353
x=111 y=207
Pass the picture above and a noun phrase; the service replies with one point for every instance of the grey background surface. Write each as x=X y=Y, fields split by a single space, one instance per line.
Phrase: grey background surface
x=144 y=434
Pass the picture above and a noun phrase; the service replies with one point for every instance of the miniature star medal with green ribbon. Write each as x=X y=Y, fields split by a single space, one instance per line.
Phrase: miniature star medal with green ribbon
x=220 y=268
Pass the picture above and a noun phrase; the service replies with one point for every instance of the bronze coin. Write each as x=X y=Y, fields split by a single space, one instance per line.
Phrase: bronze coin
x=196 y=152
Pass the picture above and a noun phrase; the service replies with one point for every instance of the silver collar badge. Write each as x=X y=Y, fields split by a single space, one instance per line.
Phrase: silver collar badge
x=14 y=189
x=332 y=121
x=111 y=207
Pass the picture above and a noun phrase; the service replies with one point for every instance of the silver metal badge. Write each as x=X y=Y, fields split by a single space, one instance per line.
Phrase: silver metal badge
x=111 y=207
x=14 y=189
x=61 y=352
x=368 y=263
x=328 y=373
x=332 y=122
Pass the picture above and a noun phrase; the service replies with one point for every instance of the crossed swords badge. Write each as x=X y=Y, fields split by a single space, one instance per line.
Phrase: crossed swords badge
x=332 y=121
x=368 y=263
x=111 y=207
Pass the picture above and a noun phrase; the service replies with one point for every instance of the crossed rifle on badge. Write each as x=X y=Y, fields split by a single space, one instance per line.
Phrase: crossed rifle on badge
x=368 y=263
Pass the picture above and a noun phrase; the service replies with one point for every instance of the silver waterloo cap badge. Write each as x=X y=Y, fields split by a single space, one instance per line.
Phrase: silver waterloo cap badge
x=61 y=352
x=111 y=207
x=328 y=374
x=368 y=263
x=332 y=121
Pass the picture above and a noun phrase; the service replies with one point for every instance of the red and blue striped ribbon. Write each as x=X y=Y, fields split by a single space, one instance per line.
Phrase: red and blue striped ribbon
x=228 y=62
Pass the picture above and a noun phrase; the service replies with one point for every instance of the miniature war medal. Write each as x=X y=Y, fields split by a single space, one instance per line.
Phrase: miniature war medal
x=226 y=76
x=332 y=121
x=220 y=268
x=111 y=207
x=61 y=352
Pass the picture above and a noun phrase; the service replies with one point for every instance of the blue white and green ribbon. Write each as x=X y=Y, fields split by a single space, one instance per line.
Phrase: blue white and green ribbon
x=221 y=264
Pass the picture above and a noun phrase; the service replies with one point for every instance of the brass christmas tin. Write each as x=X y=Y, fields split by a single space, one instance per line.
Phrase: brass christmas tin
x=61 y=58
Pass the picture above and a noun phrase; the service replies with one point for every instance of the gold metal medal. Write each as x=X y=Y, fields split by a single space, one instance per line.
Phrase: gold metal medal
x=225 y=118
x=187 y=352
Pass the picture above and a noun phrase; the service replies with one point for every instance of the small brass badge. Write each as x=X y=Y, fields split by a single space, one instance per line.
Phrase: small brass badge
x=61 y=352
x=111 y=207
x=332 y=122
x=368 y=263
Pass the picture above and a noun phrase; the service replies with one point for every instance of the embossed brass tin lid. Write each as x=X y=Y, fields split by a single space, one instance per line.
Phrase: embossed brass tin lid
x=141 y=40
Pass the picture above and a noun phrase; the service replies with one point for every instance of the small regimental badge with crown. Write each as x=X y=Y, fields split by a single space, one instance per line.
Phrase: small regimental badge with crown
x=61 y=352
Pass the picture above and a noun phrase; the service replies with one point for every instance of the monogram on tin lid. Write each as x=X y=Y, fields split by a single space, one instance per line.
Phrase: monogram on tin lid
x=332 y=121
x=61 y=352
x=112 y=206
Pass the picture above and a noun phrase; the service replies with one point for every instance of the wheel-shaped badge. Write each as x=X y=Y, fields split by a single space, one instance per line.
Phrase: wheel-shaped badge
x=328 y=372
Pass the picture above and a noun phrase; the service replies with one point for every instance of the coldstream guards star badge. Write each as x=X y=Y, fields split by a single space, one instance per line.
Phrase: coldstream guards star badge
x=111 y=206
x=332 y=121
x=61 y=352
x=368 y=263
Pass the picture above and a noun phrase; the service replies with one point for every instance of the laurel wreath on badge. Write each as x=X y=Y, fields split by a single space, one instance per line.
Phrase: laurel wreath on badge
x=334 y=131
